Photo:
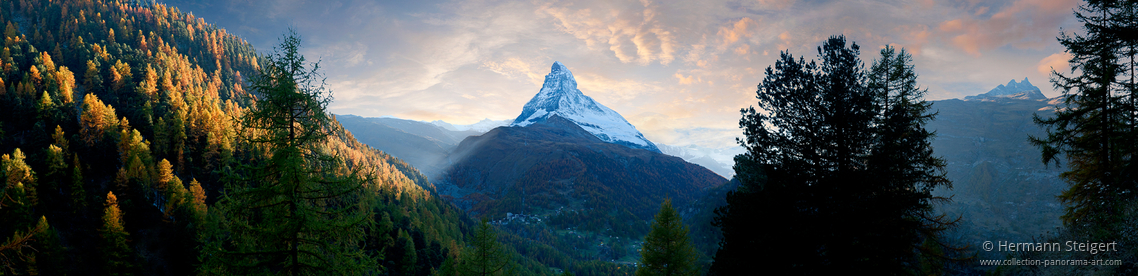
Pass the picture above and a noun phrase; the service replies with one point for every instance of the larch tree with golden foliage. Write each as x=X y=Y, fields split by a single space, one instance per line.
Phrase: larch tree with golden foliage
x=118 y=256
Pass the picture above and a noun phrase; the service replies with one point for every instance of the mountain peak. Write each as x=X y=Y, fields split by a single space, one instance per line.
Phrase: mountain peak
x=1023 y=90
x=559 y=96
x=558 y=67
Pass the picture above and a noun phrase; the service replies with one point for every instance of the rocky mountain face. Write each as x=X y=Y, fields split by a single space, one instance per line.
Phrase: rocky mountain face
x=1001 y=188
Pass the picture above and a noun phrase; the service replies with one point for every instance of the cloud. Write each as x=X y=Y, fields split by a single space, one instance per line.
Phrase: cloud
x=784 y=39
x=348 y=53
x=776 y=4
x=1023 y=24
x=696 y=53
x=742 y=50
x=684 y=80
x=1057 y=61
x=513 y=68
x=914 y=37
x=462 y=61
x=610 y=91
x=731 y=33
x=632 y=34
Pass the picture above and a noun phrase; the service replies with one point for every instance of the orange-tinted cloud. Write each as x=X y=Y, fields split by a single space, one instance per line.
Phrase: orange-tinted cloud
x=915 y=38
x=954 y=25
x=632 y=36
x=733 y=32
x=685 y=80
x=784 y=39
x=513 y=67
x=742 y=50
x=1056 y=61
x=1024 y=24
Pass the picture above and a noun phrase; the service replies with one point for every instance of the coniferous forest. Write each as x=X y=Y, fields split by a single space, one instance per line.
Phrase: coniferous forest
x=138 y=139
x=123 y=126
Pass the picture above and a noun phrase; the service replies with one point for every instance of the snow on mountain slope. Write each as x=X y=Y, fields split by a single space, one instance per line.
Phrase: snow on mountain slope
x=559 y=96
x=1023 y=90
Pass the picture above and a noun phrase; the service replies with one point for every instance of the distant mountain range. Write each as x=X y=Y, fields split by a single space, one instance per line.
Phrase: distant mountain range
x=481 y=126
x=1023 y=91
x=423 y=145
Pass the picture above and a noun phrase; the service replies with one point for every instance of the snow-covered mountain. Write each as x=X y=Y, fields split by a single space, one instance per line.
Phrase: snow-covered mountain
x=481 y=126
x=559 y=96
x=1023 y=91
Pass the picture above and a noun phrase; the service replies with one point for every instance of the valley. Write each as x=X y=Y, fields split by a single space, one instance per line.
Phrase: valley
x=1001 y=189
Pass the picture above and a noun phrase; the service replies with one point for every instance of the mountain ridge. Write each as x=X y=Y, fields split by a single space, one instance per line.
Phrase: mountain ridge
x=1023 y=90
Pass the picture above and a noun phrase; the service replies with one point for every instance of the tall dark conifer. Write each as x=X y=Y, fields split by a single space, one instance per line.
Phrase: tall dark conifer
x=1095 y=130
x=904 y=171
x=838 y=170
x=1094 y=126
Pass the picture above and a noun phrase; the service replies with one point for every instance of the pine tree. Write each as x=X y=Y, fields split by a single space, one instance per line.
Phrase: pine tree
x=18 y=255
x=447 y=268
x=96 y=120
x=92 y=80
x=667 y=249
x=301 y=211
x=409 y=259
x=1095 y=130
x=838 y=171
x=904 y=171
x=17 y=252
x=78 y=191
x=57 y=169
x=17 y=173
x=118 y=256
x=1094 y=127
x=196 y=199
x=488 y=257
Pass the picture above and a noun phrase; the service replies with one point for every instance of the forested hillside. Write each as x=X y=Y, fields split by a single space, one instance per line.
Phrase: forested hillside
x=119 y=126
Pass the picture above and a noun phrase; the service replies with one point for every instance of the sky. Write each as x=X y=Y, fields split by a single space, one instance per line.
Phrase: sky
x=677 y=70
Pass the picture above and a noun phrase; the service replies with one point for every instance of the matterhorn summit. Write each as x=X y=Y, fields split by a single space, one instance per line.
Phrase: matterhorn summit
x=559 y=96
